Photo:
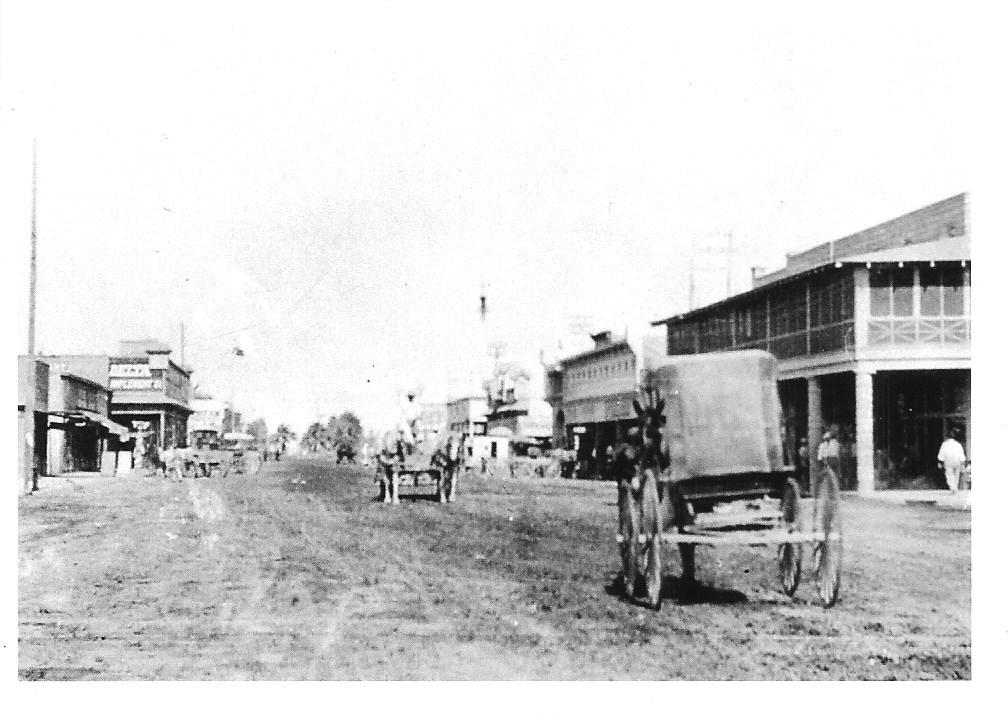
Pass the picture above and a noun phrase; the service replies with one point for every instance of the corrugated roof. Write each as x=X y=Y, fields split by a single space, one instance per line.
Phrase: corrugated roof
x=955 y=249
x=940 y=220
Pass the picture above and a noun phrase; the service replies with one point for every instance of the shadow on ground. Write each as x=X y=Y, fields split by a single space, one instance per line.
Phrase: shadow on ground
x=680 y=591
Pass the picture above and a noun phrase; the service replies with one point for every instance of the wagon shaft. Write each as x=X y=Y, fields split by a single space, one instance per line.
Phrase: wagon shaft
x=754 y=539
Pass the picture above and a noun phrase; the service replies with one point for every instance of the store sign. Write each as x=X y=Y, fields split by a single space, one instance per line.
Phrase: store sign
x=130 y=371
x=121 y=383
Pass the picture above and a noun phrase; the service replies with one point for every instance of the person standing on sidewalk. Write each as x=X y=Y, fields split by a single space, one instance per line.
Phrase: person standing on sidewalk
x=828 y=456
x=952 y=457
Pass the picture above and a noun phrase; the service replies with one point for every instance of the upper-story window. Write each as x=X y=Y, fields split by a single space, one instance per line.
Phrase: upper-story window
x=941 y=291
x=892 y=292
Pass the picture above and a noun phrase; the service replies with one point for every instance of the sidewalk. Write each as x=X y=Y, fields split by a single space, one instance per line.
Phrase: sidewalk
x=938 y=498
x=68 y=482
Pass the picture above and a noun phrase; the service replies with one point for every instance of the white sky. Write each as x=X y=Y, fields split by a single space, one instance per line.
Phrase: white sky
x=340 y=182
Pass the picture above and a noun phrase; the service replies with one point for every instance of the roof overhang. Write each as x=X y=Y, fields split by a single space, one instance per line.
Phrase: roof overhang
x=92 y=418
x=954 y=249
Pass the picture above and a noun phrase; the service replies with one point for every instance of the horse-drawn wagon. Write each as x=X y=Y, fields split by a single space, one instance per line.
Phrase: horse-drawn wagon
x=708 y=469
x=425 y=464
x=212 y=452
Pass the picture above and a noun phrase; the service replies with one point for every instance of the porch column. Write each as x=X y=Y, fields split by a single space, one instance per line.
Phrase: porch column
x=161 y=433
x=969 y=417
x=862 y=308
x=815 y=421
x=864 y=422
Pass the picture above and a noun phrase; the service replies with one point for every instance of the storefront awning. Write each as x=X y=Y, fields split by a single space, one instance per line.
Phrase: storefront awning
x=94 y=418
x=113 y=427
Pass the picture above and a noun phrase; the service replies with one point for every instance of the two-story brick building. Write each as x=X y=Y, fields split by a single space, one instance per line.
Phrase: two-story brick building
x=872 y=333
x=592 y=395
x=149 y=387
x=467 y=415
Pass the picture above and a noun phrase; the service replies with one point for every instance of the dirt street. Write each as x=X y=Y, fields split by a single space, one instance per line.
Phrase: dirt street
x=297 y=573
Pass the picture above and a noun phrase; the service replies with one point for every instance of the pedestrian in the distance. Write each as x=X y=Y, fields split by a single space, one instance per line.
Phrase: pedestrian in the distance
x=952 y=457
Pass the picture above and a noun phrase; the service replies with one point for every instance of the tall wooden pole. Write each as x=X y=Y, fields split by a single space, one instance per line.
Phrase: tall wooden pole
x=30 y=479
x=34 y=254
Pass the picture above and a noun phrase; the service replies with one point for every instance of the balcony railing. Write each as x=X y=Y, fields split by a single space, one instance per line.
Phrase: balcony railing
x=898 y=332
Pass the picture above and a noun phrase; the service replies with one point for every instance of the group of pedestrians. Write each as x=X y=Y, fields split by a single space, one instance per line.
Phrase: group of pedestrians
x=951 y=459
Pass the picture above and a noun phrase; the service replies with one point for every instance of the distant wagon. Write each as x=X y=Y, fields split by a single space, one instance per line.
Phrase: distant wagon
x=243 y=451
x=428 y=465
x=719 y=477
x=214 y=452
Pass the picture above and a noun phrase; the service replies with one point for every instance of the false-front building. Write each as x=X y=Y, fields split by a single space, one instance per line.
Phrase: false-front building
x=150 y=392
x=872 y=335
x=592 y=396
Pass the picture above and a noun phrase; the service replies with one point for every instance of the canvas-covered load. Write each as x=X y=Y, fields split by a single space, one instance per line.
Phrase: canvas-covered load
x=722 y=413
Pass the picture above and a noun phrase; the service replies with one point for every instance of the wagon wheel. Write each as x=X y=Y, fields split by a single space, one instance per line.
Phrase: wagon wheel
x=828 y=553
x=629 y=527
x=789 y=555
x=651 y=519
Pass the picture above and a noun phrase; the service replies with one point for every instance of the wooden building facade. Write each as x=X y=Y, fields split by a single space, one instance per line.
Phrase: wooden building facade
x=872 y=334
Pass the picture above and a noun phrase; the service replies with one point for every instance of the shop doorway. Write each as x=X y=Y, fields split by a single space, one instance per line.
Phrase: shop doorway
x=838 y=412
x=914 y=411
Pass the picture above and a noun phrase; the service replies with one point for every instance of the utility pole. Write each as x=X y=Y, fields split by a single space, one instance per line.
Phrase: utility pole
x=692 y=274
x=31 y=479
x=33 y=278
x=708 y=250
x=728 y=263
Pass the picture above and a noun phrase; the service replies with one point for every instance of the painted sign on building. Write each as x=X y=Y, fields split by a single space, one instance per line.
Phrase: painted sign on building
x=134 y=383
x=134 y=370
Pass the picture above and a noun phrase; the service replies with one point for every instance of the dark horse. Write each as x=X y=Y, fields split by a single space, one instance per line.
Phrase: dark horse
x=638 y=464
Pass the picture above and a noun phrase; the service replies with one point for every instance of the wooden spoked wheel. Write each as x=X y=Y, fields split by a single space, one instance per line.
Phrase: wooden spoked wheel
x=629 y=527
x=828 y=553
x=652 y=526
x=653 y=574
x=789 y=555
